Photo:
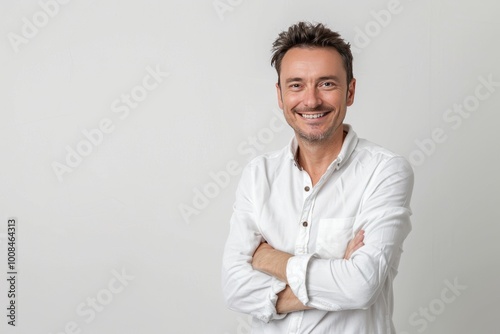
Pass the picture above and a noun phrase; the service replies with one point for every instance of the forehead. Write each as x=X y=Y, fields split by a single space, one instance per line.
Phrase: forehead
x=307 y=62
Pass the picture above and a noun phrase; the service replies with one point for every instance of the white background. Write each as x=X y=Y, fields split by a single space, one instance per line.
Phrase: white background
x=119 y=209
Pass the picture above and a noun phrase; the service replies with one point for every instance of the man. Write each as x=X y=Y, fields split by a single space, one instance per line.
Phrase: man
x=317 y=230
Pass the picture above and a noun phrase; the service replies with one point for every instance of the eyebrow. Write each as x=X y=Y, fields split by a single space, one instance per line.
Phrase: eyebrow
x=328 y=77
x=293 y=79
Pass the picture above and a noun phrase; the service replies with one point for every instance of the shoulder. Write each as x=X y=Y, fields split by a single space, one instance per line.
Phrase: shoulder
x=271 y=160
x=377 y=158
x=268 y=165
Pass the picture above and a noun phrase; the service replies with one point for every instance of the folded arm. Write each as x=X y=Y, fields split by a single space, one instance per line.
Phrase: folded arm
x=333 y=285
x=274 y=262
x=267 y=283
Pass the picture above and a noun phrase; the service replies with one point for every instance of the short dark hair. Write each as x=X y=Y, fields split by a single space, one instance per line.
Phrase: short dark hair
x=306 y=34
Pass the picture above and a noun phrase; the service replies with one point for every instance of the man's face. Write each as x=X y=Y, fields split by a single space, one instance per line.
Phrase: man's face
x=313 y=93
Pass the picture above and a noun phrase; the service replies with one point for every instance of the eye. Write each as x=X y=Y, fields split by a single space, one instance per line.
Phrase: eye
x=328 y=84
x=294 y=86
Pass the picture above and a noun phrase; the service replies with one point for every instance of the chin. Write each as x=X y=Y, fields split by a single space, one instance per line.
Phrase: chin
x=313 y=137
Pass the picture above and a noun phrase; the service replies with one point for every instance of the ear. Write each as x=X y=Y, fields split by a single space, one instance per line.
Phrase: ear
x=280 y=96
x=351 y=92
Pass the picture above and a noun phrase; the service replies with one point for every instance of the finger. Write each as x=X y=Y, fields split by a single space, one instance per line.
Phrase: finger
x=355 y=244
x=350 y=248
x=360 y=235
x=356 y=240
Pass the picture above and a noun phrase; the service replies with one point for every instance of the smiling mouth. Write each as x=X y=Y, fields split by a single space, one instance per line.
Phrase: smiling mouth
x=313 y=116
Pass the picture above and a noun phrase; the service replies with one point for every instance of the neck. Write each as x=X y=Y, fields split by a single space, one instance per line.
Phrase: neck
x=315 y=157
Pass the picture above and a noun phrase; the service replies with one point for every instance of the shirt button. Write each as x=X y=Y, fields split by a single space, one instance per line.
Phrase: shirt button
x=304 y=224
x=307 y=188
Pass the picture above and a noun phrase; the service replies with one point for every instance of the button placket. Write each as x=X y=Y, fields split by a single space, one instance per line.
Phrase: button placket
x=303 y=235
x=302 y=242
x=304 y=227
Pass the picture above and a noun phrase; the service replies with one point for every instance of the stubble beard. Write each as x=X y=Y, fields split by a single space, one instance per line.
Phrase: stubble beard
x=317 y=138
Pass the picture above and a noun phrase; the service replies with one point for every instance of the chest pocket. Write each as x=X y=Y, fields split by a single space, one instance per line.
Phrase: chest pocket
x=333 y=236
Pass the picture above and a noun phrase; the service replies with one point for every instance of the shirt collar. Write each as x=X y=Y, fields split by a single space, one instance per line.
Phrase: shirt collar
x=348 y=146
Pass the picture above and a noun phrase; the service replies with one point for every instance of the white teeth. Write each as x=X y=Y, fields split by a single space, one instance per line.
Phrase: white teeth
x=312 y=116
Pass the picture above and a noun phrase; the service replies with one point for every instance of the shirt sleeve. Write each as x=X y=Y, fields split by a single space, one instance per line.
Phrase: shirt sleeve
x=337 y=284
x=247 y=290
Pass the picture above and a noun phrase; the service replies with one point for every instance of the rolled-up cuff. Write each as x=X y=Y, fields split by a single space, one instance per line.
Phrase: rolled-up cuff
x=296 y=273
x=270 y=312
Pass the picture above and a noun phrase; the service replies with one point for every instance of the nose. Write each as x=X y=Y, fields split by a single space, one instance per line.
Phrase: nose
x=311 y=98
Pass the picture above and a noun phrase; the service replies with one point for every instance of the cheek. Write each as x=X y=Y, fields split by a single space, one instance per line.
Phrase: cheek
x=334 y=97
x=290 y=101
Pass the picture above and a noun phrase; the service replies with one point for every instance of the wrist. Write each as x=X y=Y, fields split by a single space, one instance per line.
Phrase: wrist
x=271 y=261
x=288 y=302
x=277 y=263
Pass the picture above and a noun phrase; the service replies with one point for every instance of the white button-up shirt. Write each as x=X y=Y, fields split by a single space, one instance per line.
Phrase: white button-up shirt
x=366 y=187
